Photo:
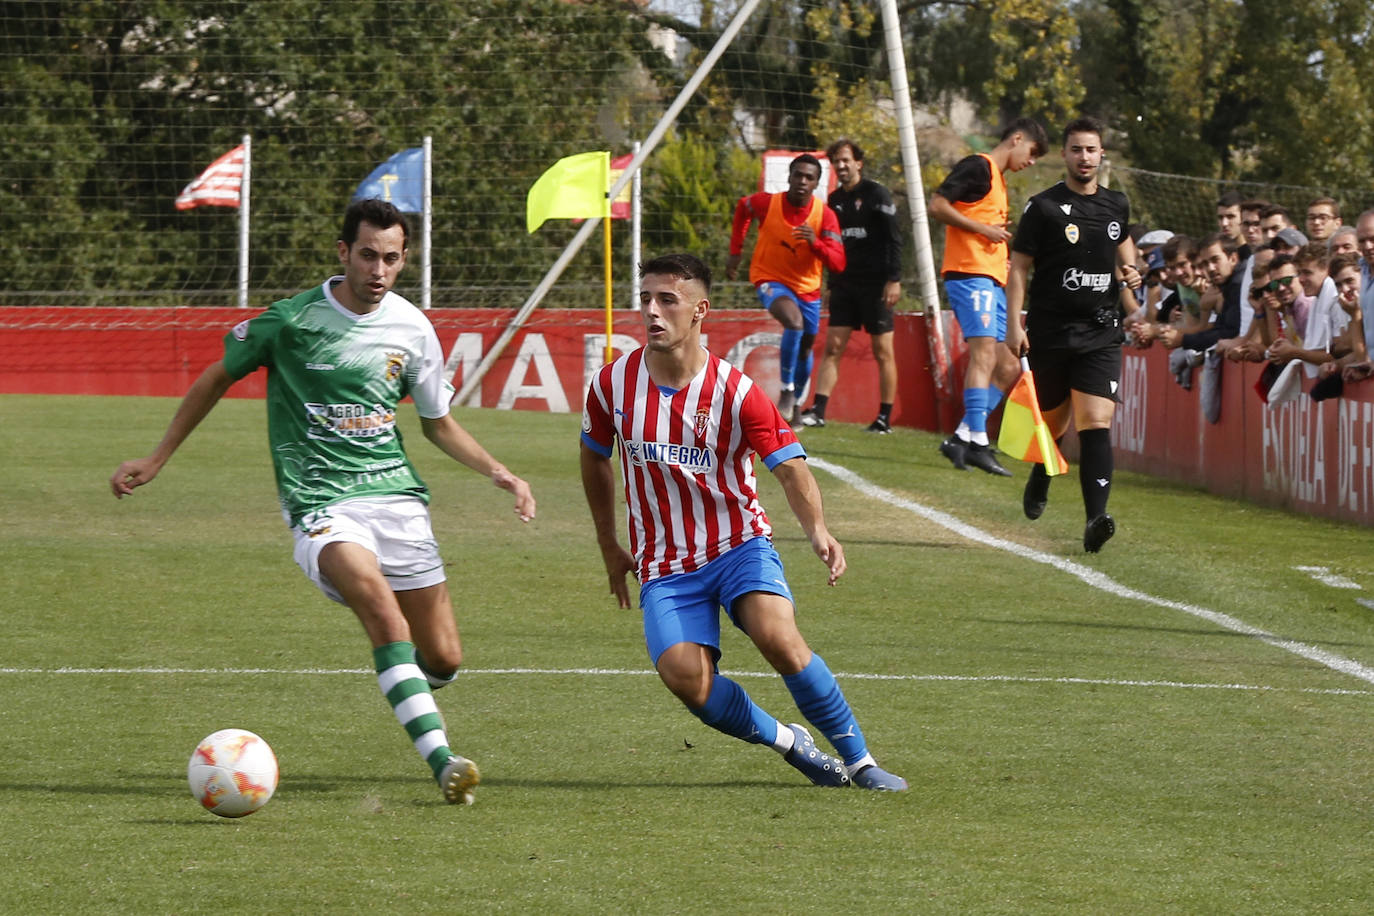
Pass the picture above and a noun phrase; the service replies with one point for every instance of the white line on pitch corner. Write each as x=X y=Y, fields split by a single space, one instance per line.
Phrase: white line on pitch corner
x=1325 y=576
x=1091 y=576
x=649 y=672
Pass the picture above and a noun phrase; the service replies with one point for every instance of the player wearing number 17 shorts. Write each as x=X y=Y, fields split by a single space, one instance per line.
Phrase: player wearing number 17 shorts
x=972 y=203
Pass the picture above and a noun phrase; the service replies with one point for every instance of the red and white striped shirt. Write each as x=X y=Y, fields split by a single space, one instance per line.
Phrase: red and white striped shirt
x=687 y=459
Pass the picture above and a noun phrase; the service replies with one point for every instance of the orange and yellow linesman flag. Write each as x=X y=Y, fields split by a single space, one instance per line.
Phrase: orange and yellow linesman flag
x=574 y=187
x=1025 y=435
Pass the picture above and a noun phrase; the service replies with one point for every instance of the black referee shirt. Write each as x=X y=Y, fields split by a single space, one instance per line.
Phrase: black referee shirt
x=1073 y=298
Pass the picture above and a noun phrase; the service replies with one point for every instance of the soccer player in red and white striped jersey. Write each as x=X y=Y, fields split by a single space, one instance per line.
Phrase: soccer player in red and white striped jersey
x=689 y=425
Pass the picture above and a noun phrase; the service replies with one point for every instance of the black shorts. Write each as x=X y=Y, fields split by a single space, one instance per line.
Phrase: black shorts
x=1060 y=370
x=860 y=307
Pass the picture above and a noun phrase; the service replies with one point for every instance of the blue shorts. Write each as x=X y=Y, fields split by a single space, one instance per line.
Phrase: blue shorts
x=980 y=304
x=685 y=607
x=770 y=292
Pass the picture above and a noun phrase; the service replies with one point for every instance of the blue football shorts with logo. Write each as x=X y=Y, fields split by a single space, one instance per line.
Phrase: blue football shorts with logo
x=770 y=292
x=685 y=607
x=980 y=304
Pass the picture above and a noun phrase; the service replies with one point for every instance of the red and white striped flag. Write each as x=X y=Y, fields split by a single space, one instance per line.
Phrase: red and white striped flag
x=217 y=186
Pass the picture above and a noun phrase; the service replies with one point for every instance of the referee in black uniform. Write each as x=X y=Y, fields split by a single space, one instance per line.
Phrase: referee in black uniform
x=1073 y=245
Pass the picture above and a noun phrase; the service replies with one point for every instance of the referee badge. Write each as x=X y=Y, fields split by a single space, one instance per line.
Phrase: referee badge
x=1071 y=233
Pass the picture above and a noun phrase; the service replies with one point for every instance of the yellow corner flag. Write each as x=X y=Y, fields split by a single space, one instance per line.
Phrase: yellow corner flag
x=573 y=188
x=1025 y=435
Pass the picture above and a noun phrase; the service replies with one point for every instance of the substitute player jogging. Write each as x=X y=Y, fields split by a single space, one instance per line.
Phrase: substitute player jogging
x=689 y=425
x=798 y=238
x=972 y=203
x=1073 y=244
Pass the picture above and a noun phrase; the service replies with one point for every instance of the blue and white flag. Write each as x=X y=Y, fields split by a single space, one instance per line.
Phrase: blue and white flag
x=399 y=181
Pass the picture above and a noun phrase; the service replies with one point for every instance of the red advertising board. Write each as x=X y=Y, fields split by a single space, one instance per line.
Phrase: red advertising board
x=113 y=351
x=1309 y=456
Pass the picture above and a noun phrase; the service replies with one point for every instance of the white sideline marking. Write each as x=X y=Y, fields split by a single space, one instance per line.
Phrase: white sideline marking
x=1325 y=576
x=1091 y=576
x=649 y=672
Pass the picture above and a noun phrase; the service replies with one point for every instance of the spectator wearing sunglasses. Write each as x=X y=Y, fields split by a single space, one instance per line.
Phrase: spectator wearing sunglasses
x=1326 y=321
x=1287 y=317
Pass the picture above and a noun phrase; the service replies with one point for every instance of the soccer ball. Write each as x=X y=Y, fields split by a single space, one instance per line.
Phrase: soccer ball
x=232 y=772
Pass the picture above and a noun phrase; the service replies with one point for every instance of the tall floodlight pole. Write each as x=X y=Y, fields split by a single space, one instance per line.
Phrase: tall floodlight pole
x=636 y=228
x=243 y=219
x=916 y=198
x=426 y=222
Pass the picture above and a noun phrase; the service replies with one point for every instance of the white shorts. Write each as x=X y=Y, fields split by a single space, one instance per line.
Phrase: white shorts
x=395 y=528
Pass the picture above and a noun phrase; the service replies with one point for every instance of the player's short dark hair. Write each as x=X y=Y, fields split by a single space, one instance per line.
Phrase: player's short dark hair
x=1255 y=205
x=1228 y=244
x=1313 y=253
x=680 y=265
x=833 y=150
x=1179 y=244
x=1341 y=261
x=1230 y=199
x=1281 y=259
x=1276 y=210
x=1084 y=125
x=806 y=159
x=379 y=213
x=1033 y=131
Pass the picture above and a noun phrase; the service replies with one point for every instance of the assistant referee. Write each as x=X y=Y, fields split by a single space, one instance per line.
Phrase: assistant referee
x=1073 y=245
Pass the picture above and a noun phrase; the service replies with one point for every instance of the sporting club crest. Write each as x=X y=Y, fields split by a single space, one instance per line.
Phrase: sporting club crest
x=1071 y=233
x=703 y=420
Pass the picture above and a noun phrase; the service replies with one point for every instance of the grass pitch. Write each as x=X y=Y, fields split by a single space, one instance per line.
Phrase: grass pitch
x=1107 y=734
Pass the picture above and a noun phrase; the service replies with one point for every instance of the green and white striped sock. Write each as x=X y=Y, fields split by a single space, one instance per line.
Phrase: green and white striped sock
x=406 y=689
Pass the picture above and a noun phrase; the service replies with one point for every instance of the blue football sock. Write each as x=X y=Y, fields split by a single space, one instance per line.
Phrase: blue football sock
x=729 y=709
x=802 y=373
x=994 y=398
x=787 y=355
x=821 y=701
x=976 y=409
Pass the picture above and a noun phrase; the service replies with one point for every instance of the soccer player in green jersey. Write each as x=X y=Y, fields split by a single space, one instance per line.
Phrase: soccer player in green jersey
x=339 y=358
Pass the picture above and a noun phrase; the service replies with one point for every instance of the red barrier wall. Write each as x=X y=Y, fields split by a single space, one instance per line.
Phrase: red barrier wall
x=1309 y=456
x=1306 y=455
x=118 y=351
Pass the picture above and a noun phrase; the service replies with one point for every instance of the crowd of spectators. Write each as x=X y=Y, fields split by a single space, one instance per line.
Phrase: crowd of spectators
x=1260 y=289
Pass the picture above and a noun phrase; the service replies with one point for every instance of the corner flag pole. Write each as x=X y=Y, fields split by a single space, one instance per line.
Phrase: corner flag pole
x=606 y=235
x=666 y=121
